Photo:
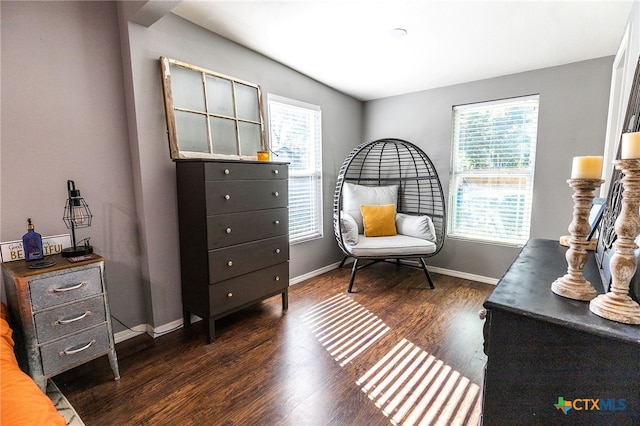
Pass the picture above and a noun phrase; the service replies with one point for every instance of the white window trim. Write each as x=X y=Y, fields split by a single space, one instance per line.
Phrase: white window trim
x=453 y=174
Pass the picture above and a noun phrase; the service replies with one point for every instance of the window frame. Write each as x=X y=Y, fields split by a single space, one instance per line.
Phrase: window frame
x=314 y=174
x=175 y=148
x=457 y=173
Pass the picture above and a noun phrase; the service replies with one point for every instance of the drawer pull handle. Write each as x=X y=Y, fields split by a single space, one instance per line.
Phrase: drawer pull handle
x=229 y=263
x=226 y=171
x=277 y=251
x=229 y=295
x=275 y=193
x=277 y=277
x=276 y=222
x=228 y=230
x=275 y=172
x=69 y=288
x=69 y=320
x=76 y=349
x=227 y=197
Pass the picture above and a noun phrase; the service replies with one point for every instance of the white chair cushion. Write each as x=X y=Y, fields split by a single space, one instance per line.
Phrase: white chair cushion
x=416 y=226
x=354 y=196
x=397 y=245
x=348 y=228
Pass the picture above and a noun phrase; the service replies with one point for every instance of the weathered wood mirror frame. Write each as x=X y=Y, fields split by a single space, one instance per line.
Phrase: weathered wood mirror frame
x=211 y=114
x=607 y=235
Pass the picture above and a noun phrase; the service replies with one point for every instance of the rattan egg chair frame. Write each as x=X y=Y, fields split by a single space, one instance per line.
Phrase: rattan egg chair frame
x=393 y=162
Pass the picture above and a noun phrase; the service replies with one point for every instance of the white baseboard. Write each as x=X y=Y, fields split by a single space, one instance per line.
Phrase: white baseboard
x=464 y=275
x=300 y=278
x=148 y=329
x=174 y=325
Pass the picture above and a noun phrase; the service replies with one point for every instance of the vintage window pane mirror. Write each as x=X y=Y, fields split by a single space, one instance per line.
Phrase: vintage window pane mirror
x=211 y=114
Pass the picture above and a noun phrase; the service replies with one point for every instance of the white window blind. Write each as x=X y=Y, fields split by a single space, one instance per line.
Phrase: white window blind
x=493 y=164
x=296 y=137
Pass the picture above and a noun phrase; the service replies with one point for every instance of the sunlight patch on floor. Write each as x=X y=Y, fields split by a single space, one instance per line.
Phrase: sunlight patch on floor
x=414 y=388
x=344 y=327
x=409 y=386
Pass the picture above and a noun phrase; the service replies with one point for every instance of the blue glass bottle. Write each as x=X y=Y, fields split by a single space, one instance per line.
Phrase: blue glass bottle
x=32 y=244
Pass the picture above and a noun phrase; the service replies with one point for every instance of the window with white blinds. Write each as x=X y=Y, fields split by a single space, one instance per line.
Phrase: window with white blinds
x=493 y=164
x=296 y=137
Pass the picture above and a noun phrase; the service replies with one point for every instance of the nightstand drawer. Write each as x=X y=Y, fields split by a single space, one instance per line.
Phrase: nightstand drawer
x=66 y=287
x=244 y=258
x=54 y=323
x=237 y=196
x=228 y=229
x=230 y=294
x=76 y=349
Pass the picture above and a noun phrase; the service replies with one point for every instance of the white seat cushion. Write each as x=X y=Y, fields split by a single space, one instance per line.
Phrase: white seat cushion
x=397 y=245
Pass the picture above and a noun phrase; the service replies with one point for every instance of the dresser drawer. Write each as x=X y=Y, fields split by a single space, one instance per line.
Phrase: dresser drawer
x=54 y=323
x=62 y=288
x=76 y=349
x=238 y=291
x=244 y=170
x=237 y=196
x=237 y=228
x=244 y=258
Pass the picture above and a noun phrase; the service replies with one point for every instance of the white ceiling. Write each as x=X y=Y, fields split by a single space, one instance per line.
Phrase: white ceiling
x=347 y=44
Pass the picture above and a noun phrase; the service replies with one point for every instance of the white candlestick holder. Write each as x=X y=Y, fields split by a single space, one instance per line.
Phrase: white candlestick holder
x=617 y=305
x=573 y=285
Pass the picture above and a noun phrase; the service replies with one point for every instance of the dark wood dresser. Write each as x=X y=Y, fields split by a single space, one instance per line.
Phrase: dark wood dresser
x=546 y=351
x=234 y=235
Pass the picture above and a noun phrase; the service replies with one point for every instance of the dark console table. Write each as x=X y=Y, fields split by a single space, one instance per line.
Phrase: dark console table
x=542 y=347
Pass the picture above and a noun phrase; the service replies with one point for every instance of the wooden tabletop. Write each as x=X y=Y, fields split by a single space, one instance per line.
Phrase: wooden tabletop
x=24 y=269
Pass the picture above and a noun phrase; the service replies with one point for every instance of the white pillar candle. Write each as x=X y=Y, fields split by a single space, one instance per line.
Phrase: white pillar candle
x=589 y=167
x=630 y=145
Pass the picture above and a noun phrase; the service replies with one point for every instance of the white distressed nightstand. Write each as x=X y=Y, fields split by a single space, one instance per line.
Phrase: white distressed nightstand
x=63 y=312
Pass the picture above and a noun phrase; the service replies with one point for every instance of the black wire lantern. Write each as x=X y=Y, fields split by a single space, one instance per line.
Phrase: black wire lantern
x=76 y=215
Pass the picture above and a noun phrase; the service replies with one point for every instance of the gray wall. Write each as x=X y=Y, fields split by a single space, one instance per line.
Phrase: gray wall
x=63 y=118
x=572 y=121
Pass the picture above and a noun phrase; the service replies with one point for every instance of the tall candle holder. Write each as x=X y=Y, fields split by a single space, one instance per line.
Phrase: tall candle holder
x=573 y=285
x=617 y=305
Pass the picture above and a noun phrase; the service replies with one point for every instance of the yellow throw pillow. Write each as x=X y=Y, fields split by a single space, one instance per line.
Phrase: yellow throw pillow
x=379 y=221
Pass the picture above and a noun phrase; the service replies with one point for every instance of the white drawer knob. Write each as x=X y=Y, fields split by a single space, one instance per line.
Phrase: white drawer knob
x=229 y=295
x=276 y=222
x=229 y=263
x=228 y=230
x=226 y=171
x=227 y=197
x=275 y=172
x=277 y=277
x=276 y=193
x=277 y=251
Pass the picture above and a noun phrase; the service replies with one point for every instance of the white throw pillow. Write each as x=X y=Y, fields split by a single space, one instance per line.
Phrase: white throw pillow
x=416 y=226
x=354 y=196
x=348 y=228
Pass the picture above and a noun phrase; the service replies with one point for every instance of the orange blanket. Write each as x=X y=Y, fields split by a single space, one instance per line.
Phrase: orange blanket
x=21 y=400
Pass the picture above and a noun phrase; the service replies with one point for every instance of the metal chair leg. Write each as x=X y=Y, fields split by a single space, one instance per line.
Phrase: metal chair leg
x=344 y=259
x=426 y=272
x=354 y=269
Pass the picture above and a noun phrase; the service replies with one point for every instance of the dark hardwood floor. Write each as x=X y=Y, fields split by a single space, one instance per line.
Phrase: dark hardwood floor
x=394 y=352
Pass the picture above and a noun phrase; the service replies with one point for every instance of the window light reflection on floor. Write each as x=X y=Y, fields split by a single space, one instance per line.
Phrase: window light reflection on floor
x=344 y=327
x=408 y=385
